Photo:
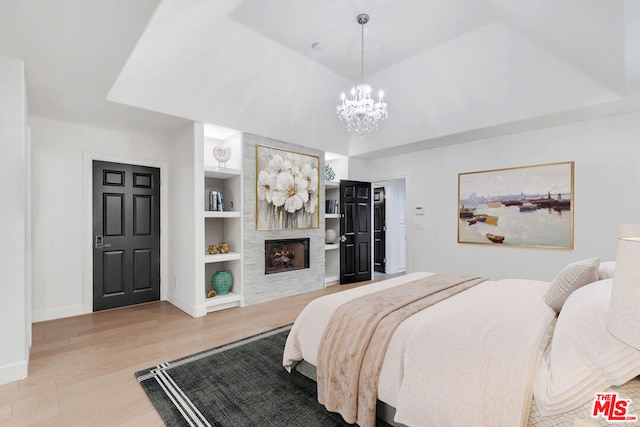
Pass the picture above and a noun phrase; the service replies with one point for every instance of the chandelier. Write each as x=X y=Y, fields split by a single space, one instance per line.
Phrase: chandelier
x=360 y=112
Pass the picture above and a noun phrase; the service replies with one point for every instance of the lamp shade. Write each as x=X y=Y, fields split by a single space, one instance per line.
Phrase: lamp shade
x=624 y=310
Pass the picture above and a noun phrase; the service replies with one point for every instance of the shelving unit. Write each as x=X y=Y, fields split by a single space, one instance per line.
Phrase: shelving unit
x=216 y=214
x=332 y=251
x=230 y=256
x=223 y=225
x=220 y=172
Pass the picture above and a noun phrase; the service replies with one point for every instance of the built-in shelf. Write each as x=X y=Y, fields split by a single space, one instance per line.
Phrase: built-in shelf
x=220 y=302
x=217 y=227
x=217 y=172
x=229 y=256
x=221 y=214
x=332 y=251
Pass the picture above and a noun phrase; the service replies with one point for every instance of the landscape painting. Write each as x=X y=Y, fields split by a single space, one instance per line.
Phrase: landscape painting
x=521 y=206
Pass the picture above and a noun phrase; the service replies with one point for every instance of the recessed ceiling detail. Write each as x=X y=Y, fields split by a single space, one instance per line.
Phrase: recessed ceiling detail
x=453 y=70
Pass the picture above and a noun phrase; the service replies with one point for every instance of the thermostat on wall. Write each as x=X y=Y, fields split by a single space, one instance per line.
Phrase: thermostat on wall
x=419 y=210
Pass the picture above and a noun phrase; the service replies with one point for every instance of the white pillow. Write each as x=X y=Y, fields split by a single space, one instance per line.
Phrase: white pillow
x=606 y=270
x=583 y=357
x=572 y=277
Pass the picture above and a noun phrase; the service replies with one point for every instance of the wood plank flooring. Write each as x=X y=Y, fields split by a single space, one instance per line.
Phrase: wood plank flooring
x=81 y=368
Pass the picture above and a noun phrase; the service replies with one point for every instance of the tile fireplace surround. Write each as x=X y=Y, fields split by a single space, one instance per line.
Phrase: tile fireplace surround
x=258 y=286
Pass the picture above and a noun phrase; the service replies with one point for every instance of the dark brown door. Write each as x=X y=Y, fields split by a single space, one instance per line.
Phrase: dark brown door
x=379 y=231
x=355 y=231
x=126 y=235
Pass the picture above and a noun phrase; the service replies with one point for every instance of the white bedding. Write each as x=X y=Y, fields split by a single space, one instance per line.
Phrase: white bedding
x=468 y=360
x=584 y=357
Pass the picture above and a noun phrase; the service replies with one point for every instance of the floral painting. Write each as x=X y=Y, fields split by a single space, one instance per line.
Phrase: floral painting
x=287 y=189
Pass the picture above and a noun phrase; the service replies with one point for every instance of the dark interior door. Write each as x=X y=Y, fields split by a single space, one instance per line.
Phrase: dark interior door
x=379 y=230
x=355 y=231
x=126 y=235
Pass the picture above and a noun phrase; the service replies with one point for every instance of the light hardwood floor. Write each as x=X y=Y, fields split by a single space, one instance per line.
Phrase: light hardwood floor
x=81 y=368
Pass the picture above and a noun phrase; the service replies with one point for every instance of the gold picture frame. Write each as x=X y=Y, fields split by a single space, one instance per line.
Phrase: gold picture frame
x=287 y=189
x=529 y=206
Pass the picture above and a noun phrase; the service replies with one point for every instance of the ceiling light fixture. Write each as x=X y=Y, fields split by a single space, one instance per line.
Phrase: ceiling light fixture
x=360 y=112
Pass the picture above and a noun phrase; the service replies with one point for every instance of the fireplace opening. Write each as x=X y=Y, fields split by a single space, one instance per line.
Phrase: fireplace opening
x=285 y=255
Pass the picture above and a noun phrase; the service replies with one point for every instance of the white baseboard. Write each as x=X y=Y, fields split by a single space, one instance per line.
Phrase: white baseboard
x=76 y=310
x=395 y=270
x=58 y=313
x=13 y=371
x=189 y=309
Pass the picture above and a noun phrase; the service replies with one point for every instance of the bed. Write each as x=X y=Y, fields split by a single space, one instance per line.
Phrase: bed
x=478 y=356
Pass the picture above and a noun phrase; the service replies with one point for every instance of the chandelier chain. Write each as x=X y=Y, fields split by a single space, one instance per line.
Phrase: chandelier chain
x=362 y=53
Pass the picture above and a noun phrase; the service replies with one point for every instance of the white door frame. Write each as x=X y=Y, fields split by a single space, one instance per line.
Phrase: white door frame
x=87 y=226
x=379 y=182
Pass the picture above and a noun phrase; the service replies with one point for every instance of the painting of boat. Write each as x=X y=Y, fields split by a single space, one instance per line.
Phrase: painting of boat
x=562 y=205
x=489 y=219
x=526 y=207
x=495 y=238
x=466 y=212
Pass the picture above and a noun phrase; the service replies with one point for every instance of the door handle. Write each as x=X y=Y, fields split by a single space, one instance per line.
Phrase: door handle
x=100 y=242
x=343 y=238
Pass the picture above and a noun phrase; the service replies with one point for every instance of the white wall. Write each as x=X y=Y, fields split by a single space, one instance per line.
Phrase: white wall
x=184 y=217
x=15 y=330
x=58 y=198
x=340 y=167
x=607 y=183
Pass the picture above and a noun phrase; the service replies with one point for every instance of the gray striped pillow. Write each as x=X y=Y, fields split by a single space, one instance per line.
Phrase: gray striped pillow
x=572 y=277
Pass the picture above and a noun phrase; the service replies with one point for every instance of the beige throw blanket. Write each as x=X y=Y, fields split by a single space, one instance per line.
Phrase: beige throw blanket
x=355 y=342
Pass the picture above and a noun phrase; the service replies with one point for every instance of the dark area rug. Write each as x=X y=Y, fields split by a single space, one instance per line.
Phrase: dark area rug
x=239 y=384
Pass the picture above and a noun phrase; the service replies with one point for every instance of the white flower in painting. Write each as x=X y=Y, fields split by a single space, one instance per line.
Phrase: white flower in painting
x=290 y=192
x=277 y=164
x=266 y=186
x=312 y=204
x=292 y=160
x=310 y=175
